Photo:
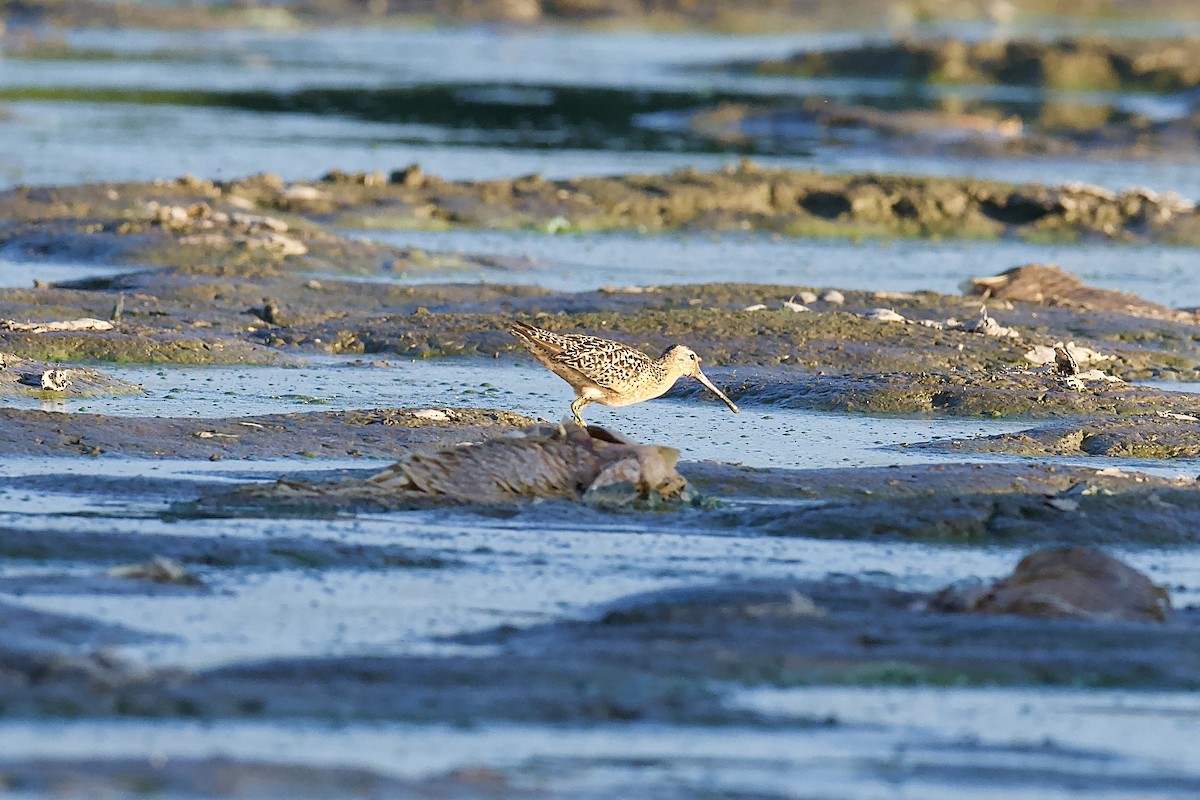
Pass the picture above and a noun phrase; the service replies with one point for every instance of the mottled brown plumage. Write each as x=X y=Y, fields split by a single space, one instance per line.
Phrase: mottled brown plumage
x=608 y=372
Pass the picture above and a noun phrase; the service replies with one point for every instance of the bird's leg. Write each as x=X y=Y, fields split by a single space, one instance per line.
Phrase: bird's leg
x=576 y=408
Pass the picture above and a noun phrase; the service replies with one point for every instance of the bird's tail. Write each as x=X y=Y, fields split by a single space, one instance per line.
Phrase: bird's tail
x=535 y=338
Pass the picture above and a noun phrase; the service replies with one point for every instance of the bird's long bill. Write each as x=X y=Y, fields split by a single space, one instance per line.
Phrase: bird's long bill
x=700 y=376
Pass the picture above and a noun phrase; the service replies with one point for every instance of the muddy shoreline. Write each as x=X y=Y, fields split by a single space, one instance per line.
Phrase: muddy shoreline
x=286 y=511
x=262 y=222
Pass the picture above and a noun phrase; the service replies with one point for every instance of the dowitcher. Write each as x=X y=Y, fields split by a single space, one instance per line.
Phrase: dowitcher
x=1064 y=361
x=610 y=373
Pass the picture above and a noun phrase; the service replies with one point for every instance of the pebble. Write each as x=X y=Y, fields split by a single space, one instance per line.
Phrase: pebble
x=885 y=315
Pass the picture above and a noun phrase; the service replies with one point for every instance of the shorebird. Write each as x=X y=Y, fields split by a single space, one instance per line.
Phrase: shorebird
x=1065 y=362
x=610 y=373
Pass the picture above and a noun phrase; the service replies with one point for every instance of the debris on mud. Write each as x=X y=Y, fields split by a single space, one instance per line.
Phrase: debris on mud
x=1051 y=285
x=568 y=462
x=1042 y=355
x=159 y=569
x=84 y=324
x=1077 y=582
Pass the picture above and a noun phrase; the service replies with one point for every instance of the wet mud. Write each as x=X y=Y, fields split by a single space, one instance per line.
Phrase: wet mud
x=263 y=223
x=977 y=504
x=21 y=377
x=1142 y=64
x=222 y=777
x=372 y=433
x=542 y=462
x=880 y=352
x=1054 y=119
x=956 y=128
x=840 y=630
x=1139 y=435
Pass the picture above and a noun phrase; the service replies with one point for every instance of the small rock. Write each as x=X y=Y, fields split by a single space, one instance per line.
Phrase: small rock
x=1062 y=503
x=792 y=306
x=298 y=191
x=629 y=289
x=1074 y=582
x=990 y=327
x=1041 y=354
x=833 y=297
x=808 y=298
x=243 y=203
x=432 y=414
x=268 y=312
x=81 y=324
x=756 y=307
x=412 y=176
x=56 y=380
x=885 y=315
x=1163 y=414
x=256 y=222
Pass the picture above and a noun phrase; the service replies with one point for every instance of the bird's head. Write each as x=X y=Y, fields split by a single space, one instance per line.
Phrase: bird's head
x=684 y=359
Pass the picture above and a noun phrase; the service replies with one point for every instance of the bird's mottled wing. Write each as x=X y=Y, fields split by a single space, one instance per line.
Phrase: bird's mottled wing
x=606 y=363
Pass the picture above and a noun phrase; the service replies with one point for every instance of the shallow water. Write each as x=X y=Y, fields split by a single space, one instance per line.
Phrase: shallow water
x=519 y=571
x=702 y=430
x=916 y=743
x=579 y=262
x=81 y=141
x=19 y=273
x=759 y=436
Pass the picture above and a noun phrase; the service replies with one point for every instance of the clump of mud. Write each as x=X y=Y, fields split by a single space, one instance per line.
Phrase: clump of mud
x=22 y=377
x=1065 y=582
x=541 y=462
x=1161 y=65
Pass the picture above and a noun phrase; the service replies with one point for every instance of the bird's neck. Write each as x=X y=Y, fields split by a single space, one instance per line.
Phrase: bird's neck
x=668 y=371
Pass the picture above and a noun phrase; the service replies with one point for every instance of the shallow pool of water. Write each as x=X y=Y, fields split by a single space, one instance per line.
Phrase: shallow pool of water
x=20 y=273
x=702 y=430
x=81 y=141
x=577 y=262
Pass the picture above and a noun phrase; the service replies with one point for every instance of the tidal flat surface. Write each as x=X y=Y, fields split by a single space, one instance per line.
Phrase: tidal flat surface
x=464 y=616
